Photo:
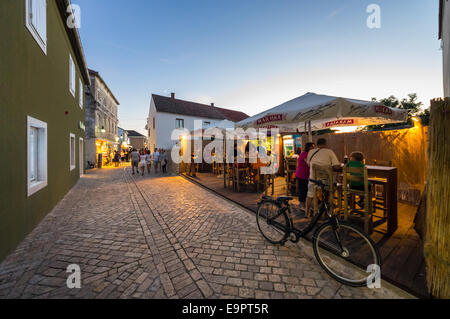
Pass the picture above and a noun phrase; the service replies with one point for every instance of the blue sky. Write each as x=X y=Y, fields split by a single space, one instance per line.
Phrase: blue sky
x=255 y=54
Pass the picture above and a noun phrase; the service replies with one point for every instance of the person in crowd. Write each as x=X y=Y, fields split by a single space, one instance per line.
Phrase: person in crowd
x=116 y=158
x=322 y=156
x=122 y=156
x=156 y=159
x=164 y=161
x=142 y=161
x=357 y=160
x=302 y=176
x=148 y=159
x=134 y=160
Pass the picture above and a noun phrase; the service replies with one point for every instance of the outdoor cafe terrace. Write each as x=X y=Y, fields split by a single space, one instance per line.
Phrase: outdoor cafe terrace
x=396 y=163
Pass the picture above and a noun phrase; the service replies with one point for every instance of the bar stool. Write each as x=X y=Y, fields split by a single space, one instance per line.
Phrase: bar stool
x=291 y=167
x=229 y=174
x=380 y=202
x=358 y=174
x=325 y=174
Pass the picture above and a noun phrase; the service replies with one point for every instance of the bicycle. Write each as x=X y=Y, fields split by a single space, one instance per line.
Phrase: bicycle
x=339 y=247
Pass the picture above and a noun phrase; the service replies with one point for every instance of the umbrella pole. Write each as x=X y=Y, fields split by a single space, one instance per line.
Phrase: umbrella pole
x=310 y=132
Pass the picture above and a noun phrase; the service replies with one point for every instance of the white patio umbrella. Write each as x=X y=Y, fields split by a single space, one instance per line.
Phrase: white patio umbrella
x=314 y=112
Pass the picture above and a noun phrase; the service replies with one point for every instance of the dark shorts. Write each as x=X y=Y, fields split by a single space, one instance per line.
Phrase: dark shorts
x=135 y=163
x=302 y=189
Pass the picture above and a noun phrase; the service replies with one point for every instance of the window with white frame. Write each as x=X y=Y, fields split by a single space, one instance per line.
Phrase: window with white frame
x=72 y=151
x=36 y=21
x=72 y=76
x=37 y=155
x=81 y=92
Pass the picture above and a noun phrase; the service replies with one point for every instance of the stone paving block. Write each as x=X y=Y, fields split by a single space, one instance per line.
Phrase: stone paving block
x=187 y=243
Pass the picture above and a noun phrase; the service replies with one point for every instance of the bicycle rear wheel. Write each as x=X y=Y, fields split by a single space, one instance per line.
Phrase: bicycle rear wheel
x=273 y=223
x=346 y=253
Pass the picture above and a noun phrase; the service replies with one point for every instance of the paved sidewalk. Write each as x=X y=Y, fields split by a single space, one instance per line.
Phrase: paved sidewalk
x=161 y=237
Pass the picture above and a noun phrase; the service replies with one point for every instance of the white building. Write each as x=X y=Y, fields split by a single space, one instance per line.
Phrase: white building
x=168 y=113
x=444 y=35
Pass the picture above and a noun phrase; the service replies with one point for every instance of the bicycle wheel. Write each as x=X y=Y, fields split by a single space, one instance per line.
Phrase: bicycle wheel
x=273 y=222
x=346 y=253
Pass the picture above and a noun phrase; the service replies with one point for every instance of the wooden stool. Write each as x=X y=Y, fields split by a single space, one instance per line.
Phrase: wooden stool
x=358 y=174
x=380 y=201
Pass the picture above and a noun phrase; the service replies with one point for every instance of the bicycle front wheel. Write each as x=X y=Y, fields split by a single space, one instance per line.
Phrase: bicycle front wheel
x=273 y=223
x=346 y=253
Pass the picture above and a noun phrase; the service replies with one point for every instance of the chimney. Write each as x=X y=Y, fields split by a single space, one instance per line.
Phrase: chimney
x=172 y=96
x=212 y=104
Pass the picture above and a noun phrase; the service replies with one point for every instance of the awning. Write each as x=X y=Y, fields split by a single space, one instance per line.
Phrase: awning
x=324 y=112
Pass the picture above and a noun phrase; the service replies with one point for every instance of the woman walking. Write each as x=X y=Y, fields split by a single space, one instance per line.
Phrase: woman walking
x=302 y=177
x=142 y=162
x=149 y=161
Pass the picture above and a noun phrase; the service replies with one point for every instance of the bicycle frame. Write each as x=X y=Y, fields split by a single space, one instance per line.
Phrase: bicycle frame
x=323 y=209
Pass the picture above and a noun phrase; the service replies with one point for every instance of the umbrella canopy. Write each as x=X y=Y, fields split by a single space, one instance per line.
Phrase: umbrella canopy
x=324 y=112
x=221 y=125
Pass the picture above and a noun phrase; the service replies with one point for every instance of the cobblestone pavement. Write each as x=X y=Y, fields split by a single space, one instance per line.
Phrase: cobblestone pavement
x=161 y=237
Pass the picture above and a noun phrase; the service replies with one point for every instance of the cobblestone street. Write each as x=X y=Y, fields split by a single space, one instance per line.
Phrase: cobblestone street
x=161 y=237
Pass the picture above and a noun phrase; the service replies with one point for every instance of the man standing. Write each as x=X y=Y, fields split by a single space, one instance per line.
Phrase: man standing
x=321 y=156
x=134 y=160
x=164 y=161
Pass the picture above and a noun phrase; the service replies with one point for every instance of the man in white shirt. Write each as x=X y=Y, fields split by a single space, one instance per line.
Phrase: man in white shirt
x=322 y=156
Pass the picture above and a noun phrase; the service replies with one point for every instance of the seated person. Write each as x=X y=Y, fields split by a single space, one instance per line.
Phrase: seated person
x=357 y=160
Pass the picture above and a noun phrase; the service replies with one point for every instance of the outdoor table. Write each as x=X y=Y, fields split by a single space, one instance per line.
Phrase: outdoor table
x=390 y=173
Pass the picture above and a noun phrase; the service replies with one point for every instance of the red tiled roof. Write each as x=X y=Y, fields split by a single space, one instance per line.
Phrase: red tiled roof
x=176 y=106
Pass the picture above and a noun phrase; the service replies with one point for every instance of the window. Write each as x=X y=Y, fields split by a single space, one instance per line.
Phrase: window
x=36 y=21
x=179 y=123
x=81 y=91
x=72 y=151
x=206 y=123
x=71 y=75
x=37 y=155
x=154 y=122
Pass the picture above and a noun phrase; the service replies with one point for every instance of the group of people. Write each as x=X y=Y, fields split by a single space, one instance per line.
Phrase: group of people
x=144 y=159
x=320 y=155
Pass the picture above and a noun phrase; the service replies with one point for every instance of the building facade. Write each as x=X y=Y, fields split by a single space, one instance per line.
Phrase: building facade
x=101 y=121
x=137 y=140
x=168 y=113
x=44 y=76
x=444 y=35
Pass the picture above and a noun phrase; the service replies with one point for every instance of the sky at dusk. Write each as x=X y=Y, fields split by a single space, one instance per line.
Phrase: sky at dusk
x=253 y=55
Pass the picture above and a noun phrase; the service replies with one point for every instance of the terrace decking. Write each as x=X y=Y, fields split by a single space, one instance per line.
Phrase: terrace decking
x=403 y=263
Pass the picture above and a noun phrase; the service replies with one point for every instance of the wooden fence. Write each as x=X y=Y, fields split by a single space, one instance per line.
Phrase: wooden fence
x=405 y=148
x=437 y=237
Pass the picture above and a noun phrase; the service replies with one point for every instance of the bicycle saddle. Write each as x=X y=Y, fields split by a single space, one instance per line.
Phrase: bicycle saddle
x=284 y=199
